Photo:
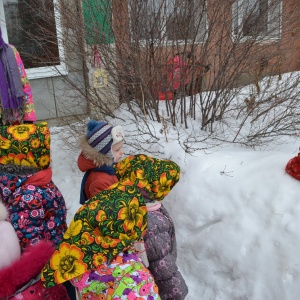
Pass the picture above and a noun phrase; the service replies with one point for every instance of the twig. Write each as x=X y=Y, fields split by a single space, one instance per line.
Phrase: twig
x=226 y=172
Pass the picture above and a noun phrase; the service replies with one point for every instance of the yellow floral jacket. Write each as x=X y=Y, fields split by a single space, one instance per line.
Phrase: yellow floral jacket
x=111 y=221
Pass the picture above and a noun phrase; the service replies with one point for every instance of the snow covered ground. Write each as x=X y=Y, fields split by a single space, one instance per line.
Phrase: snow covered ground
x=236 y=212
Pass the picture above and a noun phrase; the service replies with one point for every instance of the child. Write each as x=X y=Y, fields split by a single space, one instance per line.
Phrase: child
x=18 y=281
x=177 y=68
x=96 y=252
x=96 y=160
x=101 y=147
x=35 y=205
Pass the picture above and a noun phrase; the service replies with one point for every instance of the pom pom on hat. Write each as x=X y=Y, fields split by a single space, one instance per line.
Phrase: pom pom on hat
x=101 y=136
x=117 y=134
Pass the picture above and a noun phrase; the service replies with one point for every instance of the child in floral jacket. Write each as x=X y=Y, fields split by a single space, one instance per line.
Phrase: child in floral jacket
x=35 y=205
x=97 y=251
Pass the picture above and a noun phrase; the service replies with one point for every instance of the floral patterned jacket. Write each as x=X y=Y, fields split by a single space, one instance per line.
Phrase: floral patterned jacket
x=124 y=278
x=36 y=207
x=110 y=222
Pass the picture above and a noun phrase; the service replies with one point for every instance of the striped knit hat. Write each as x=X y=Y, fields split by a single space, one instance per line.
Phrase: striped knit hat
x=102 y=136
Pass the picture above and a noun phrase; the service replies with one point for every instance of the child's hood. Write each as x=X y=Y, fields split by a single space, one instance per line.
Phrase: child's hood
x=155 y=177
x=89 y=153
x=111 y=221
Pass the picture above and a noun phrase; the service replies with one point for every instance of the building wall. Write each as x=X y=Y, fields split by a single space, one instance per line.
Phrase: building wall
x=226 y=57
x=54 y=98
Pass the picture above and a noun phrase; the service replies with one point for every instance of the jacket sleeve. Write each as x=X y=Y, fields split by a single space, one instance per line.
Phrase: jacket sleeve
x=162 y=261
x=29 y=110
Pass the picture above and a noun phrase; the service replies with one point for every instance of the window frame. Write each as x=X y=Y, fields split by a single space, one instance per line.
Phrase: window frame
x=42 y=72
x=168 y=41
x=237 y=16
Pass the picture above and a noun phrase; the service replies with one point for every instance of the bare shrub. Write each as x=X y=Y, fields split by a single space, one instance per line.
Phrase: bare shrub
x=221 y=62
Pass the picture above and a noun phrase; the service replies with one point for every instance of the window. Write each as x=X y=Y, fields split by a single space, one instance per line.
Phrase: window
x=170 y=20
x=257 y=19
x=33 y=28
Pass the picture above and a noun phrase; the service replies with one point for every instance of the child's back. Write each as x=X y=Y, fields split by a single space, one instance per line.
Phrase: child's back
x=160 y=242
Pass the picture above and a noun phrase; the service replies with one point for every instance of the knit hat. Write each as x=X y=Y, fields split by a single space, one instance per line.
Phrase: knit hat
x=101 y=136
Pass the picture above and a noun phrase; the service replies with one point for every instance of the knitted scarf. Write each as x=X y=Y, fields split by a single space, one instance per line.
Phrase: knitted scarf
x=105 y=169
x=11 y=89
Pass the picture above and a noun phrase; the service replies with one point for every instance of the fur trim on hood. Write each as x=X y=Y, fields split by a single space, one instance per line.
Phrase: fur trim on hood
x=24 y=269
x=89 y=152
x=3 y=212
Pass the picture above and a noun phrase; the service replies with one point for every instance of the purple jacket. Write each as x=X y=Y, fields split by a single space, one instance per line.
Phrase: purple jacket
x=160 y=242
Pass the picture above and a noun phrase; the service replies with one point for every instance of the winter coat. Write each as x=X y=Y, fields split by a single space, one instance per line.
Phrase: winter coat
x=124 y=278
x=108 y=224
x=160 y=242
x=177 y=70
x=36 y=207
x=29 y=110
x=20 y=279
x=96 y=181
x=26 y=111
x=19 y=274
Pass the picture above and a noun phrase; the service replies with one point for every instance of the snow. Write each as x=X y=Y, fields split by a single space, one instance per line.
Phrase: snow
x=236 y=213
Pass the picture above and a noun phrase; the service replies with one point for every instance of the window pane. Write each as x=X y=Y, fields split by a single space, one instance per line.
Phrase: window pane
x=187 y=21
x=168 y=19
x=145 y=19
x=31 y=29
x=179 y=20
x=274 y=18
x=255 y=17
